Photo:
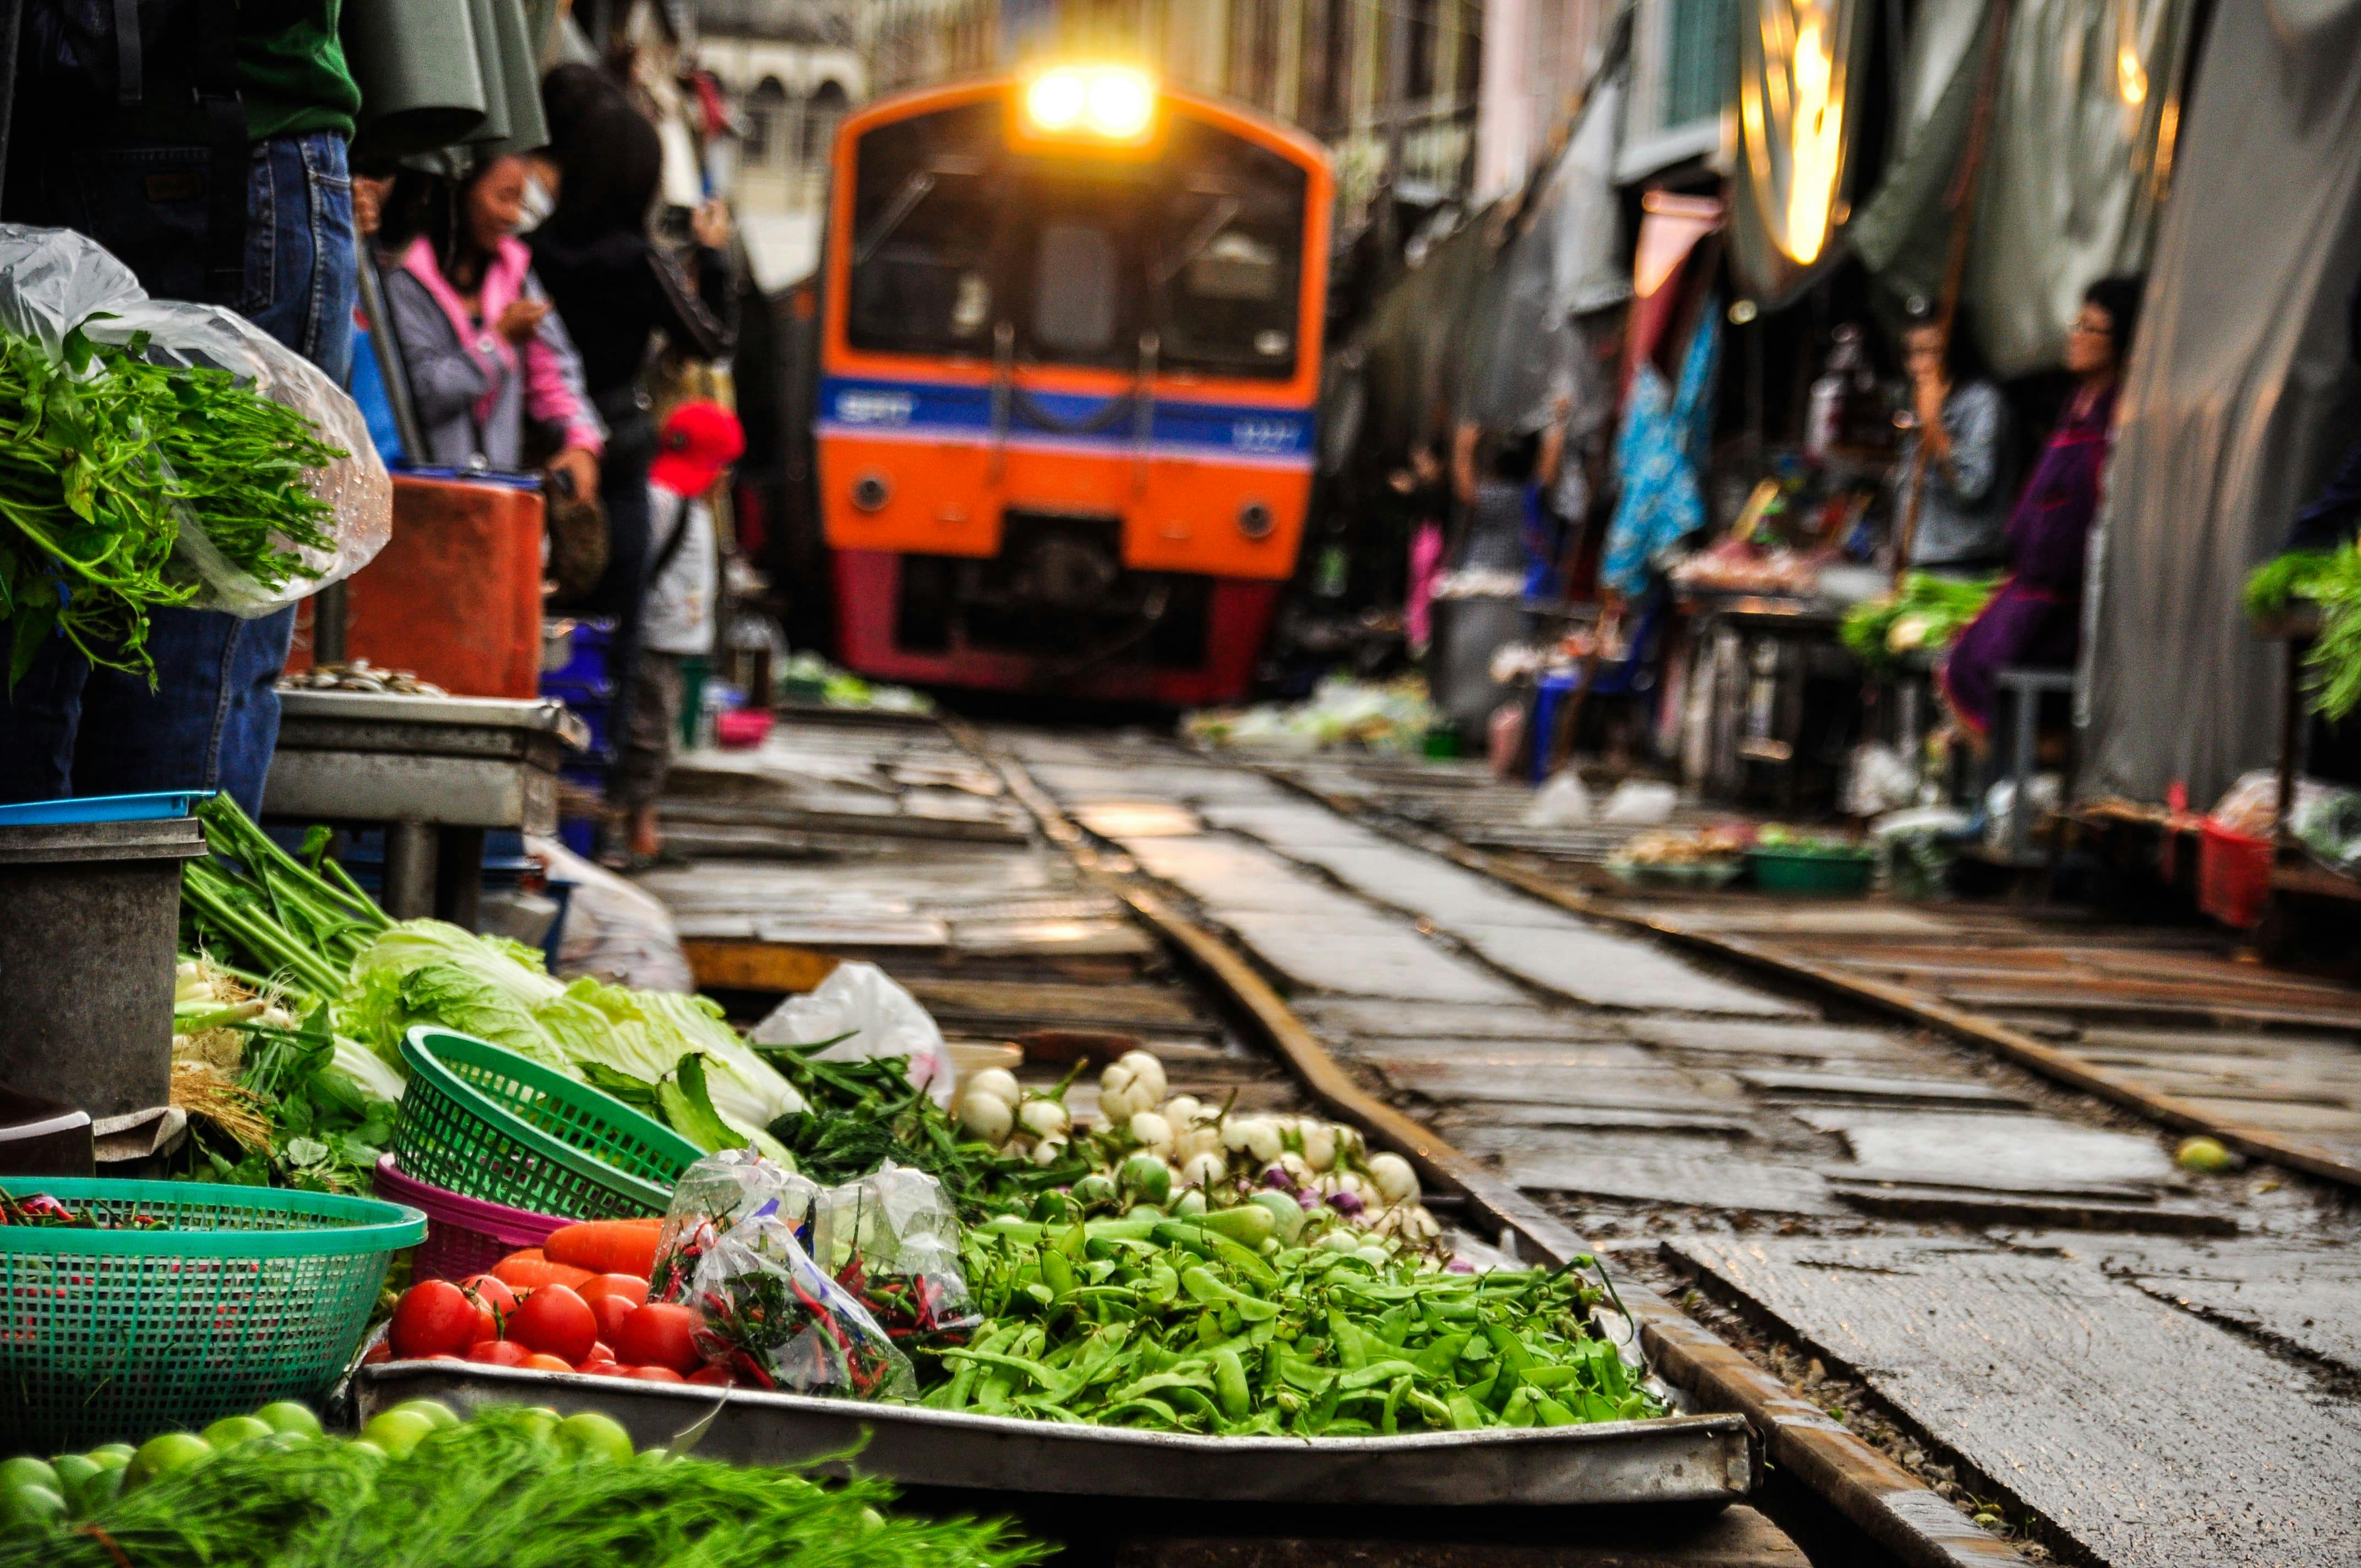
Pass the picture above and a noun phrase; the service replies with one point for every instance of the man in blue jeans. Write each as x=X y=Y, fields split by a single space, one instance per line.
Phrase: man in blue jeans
x=212 y=720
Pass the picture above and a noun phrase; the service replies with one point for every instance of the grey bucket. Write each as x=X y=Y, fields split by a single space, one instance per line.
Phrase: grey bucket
x=89 y=917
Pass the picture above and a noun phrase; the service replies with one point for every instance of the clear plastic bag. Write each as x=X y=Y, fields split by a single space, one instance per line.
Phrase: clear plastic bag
x=780 y=1323
x=892 y=1239
x=52 y=280
x=880 y=1019
x=712 y=1198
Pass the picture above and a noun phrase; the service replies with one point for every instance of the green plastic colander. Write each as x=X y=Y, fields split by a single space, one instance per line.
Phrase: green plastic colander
x=486 y=1122
x=255 y=1294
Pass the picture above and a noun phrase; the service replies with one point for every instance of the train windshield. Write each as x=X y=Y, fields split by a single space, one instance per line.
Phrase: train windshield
x=954 y=238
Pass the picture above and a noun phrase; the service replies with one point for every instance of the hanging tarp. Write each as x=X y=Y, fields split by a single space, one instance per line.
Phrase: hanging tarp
x=1564 y=259
x=2239 y=399
x=1800 y=66
x=2084 y=121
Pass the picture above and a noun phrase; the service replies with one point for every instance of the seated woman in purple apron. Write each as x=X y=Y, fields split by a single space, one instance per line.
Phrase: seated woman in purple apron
x=2035 y=620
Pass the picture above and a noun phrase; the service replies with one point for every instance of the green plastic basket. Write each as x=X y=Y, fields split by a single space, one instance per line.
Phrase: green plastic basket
x=1784 y=871
x=112 y=1336
x=489 y=1124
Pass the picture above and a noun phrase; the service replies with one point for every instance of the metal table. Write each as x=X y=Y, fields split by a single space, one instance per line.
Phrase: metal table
x=434 y=772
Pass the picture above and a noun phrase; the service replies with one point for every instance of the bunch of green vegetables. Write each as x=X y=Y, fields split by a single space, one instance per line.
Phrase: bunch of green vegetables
x=301 y=1113
x=2331 y=579
x=101 y=456
x=513 y=1487
x=858 y=1114
x=1925 y=615
x=295 y=923
x=1195 y=1326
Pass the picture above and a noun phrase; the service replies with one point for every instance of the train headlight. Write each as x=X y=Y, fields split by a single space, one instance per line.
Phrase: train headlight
x=1101 y=103
x=871 y=492
x=1255 y=520
x=1119 y=103
x=1056 y=100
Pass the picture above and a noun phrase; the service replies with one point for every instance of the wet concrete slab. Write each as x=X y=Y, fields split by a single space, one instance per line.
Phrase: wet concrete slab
x=2150 y=1438
x=2002 y=1151
x=1571 y=1082
x=1625 y=972
x=1825 y=1041
x=1894 y=1090
x=1349 y=952
x=1519 y=1020
x=1225 y=874
x=2308 y=1298
x=1138 y=819
x=1699 y=1180
x=1422 y=886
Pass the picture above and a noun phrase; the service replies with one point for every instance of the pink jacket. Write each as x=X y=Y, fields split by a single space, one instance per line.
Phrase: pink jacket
x=550 y=394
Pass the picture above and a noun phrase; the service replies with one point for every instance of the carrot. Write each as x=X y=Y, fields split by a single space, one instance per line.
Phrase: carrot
x=604 y=1247
x=530 y=1270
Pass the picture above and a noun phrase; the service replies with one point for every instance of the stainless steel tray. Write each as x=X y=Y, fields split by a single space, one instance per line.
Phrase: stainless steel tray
x=1677 y=1459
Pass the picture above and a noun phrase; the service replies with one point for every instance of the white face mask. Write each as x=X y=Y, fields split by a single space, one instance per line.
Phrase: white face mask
x=538 y=205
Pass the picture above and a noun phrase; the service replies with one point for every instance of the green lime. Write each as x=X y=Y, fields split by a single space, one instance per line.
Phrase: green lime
x=27 y=1471
x=96 y=1493
x=112 y=1455
x=2203 y=1154
x=74 y=1471
x=596 y=1436
x=397 y=1432
x=363 y=1445
x=231 y=1430
x=435 y=1411
x=32 y=1504
x=287 y=1415
x=165 y=1455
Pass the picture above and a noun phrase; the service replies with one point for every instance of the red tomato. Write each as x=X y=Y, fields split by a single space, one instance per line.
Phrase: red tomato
x=443 y=1355
x=380 y=1351
x=598 y=1352
x=434 y=1317
x=714 y=1375
x=610 y=1309
x=555 y=1322
x=498 y=1353
x=546 y=1364
x=494 y=1301
x=659 y=1335
x=650 y=1374
x=629 y=1286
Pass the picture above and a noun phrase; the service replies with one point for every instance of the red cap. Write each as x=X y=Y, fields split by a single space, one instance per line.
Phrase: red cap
x=698 y=440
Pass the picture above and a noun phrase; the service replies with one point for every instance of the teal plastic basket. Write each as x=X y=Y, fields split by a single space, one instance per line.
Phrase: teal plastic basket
x=254 y=1294
x=485 y=1122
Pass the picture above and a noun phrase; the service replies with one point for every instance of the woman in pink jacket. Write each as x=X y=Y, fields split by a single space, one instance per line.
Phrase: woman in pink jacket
x=483 y=349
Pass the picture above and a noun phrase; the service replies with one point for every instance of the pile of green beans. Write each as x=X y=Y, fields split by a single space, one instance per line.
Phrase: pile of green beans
x=1166 y=1325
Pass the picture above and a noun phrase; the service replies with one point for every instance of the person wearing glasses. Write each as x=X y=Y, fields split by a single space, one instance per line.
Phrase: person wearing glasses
x=2035 y=620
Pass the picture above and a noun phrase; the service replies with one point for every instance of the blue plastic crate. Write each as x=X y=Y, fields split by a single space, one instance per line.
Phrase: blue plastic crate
x=151 y=807
x=588 y=646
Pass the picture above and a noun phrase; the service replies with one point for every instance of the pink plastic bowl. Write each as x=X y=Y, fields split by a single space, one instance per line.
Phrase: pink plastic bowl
x=464 y=1235
x=743 y=727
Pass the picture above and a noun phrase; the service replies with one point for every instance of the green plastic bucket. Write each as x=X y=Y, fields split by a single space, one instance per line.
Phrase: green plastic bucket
x=1782 y=871
x=255 y=1294
x=486 y=1122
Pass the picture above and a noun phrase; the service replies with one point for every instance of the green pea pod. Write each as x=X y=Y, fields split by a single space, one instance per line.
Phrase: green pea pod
x=1553 y=1414
x=1230 y=1383
x=1390 y=1421
x=1466 y=1415
x=1512 y=1348
x=1350 y=1353
x=1163 y=1285
x=1552 y=1376
x=1376 y=1373
x=1442 y=1355
x=1518 y=1412
x=1057 y=1273
x=1201 y=1283
x=1173 y=1233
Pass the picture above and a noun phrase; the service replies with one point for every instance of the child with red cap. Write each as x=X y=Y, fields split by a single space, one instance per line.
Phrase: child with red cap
x=698 y=443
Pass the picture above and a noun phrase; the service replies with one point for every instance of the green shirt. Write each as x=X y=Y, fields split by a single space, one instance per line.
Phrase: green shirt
x=294 y=79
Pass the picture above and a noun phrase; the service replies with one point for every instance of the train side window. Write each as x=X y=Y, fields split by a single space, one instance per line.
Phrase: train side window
x=1076 y=272
x=922 y=236
x=1227 y=262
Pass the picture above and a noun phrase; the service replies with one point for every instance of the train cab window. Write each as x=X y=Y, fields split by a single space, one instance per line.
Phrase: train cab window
x=922 y=238
x=1227 y=265
x=1076 y=282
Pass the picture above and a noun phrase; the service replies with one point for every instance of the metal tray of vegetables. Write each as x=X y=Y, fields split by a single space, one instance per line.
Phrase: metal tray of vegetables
x=1700 y=1459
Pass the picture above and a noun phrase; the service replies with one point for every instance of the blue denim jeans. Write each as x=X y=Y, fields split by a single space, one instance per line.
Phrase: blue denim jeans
x=212 y=720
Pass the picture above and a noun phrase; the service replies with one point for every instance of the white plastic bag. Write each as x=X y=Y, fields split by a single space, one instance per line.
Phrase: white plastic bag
x=1641 y=803
x=52 y=280
x=883 y=1020
x=1561 y=803
x=614 y=930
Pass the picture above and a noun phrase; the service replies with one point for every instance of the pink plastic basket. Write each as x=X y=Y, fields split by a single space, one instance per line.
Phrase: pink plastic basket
x=464 y=1235
x=743 y=729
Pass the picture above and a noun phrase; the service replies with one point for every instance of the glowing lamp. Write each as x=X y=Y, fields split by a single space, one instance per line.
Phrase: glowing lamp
x=1108 y=103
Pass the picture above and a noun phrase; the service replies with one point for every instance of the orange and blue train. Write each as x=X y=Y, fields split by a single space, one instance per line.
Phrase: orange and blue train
x=1069 y=355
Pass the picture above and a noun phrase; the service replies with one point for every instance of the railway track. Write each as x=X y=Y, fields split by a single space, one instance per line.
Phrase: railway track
x=1972 y=1313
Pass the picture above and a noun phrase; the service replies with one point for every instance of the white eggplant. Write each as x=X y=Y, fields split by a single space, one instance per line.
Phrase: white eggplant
x=1263 y=1140
x=1122 y=1094
x=1050 y=1151
x=1182 y=1110
x=1149 y=1072
x=1394 y=1178
x=1202 y=1170
x=986 y=1116
x=998 y=1082
x=1189 y=1142
x=1044 y=1118
x=1151 y=1132
x=1319 y=1145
